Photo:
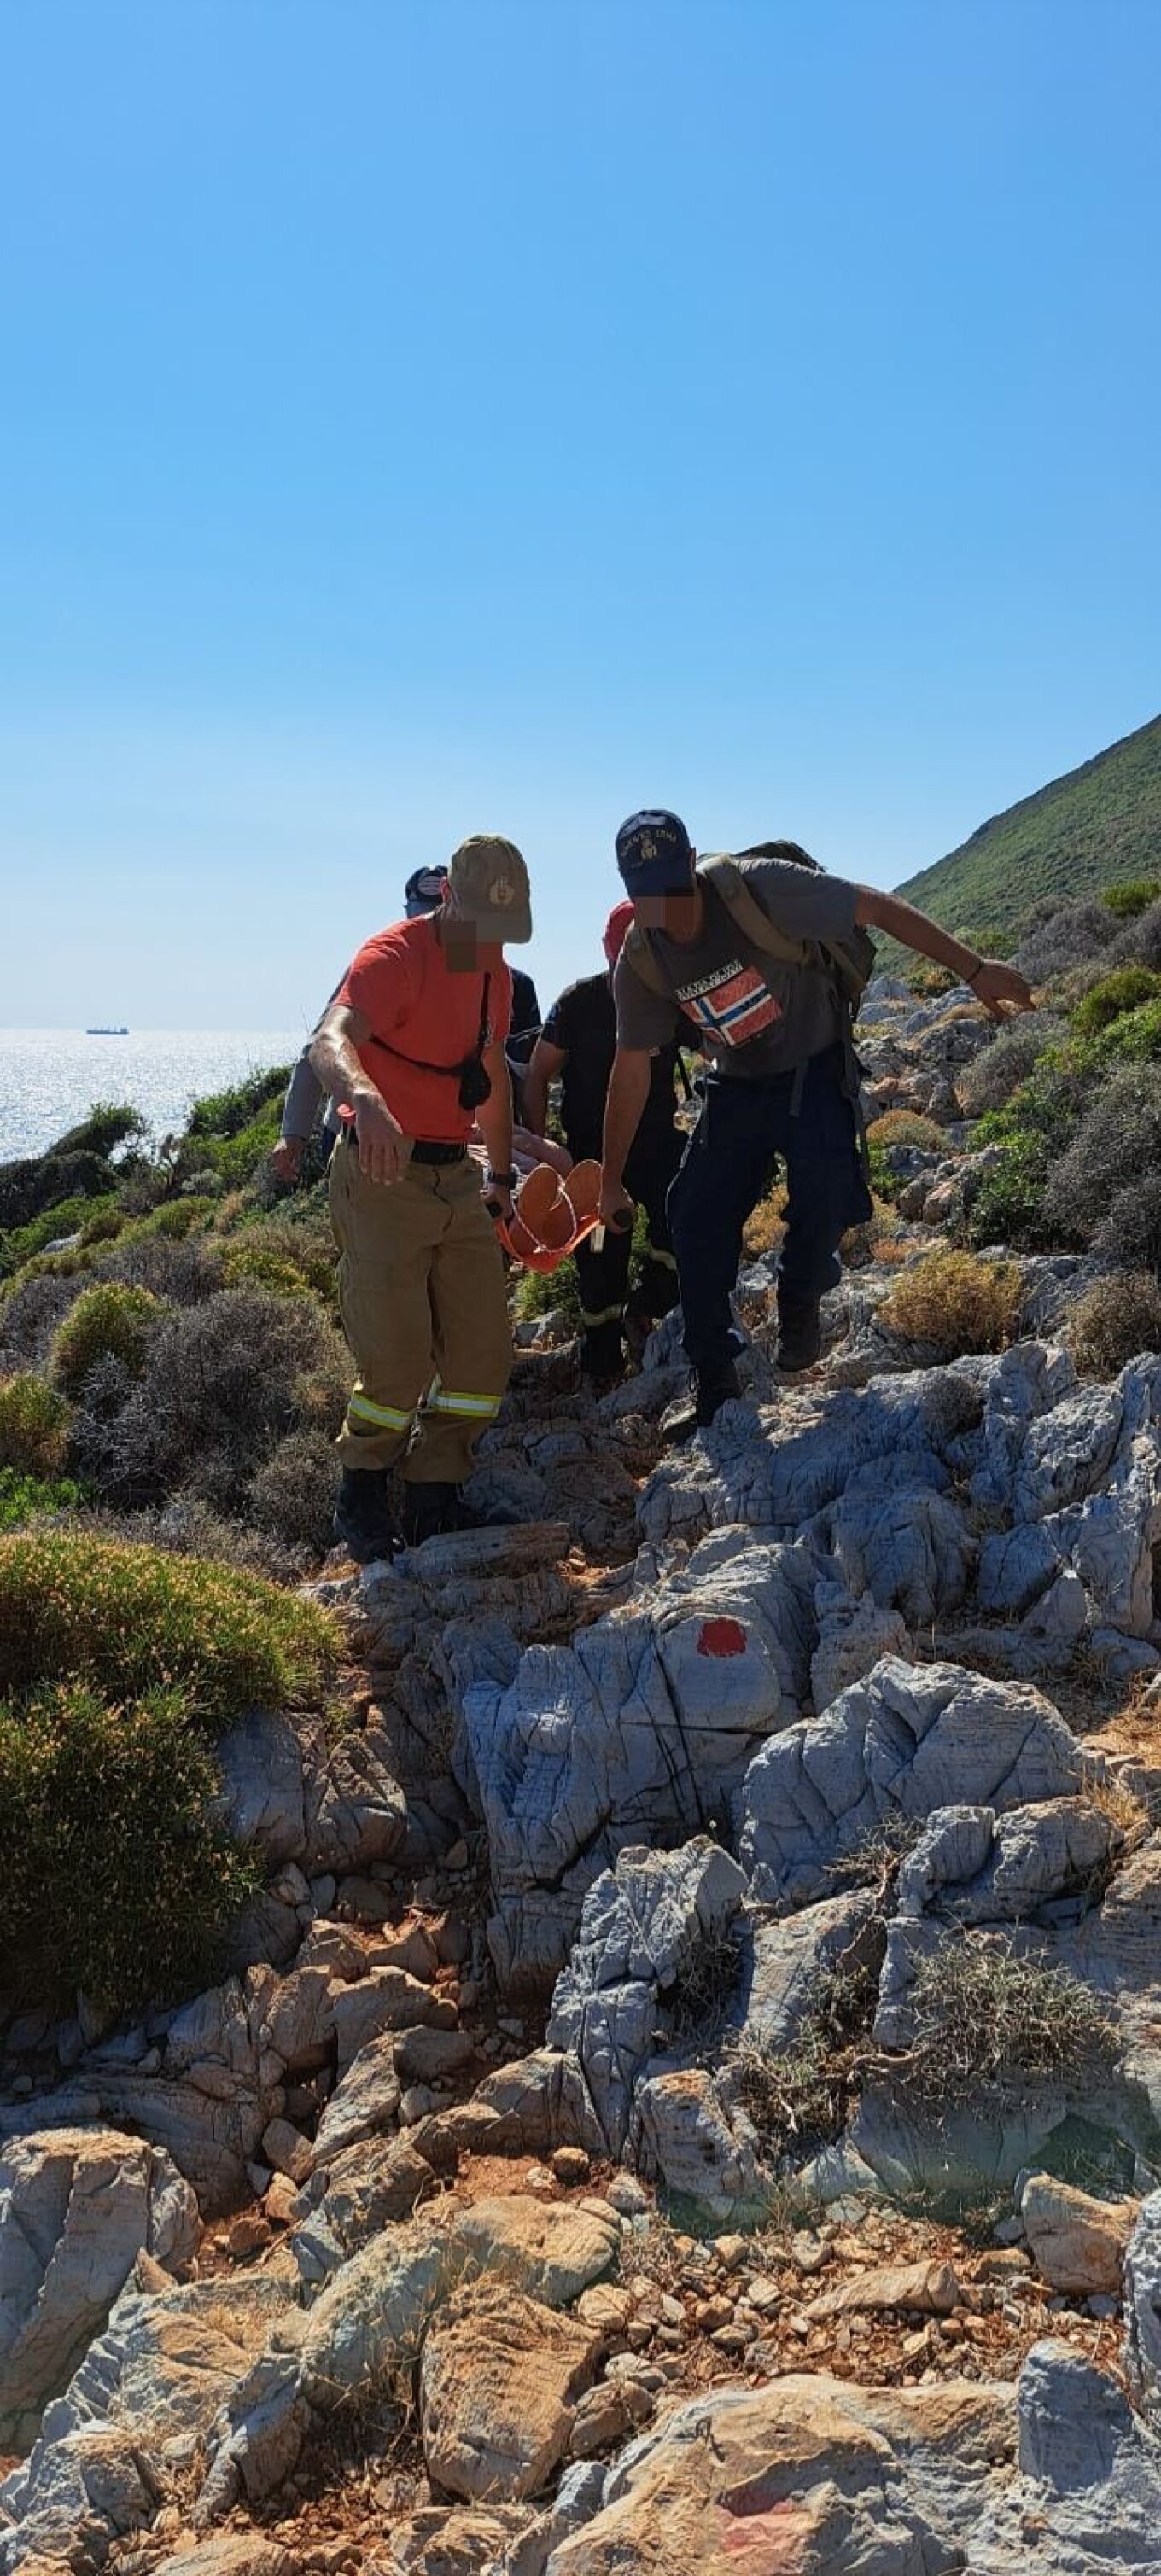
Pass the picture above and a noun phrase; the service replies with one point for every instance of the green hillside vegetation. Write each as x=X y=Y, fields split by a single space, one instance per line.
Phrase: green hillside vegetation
x=1098 y=825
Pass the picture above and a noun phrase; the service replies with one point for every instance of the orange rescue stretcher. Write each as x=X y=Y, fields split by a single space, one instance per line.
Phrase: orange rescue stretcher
x=550 y=1216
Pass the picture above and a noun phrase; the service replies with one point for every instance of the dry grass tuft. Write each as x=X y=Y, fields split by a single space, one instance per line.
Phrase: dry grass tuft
x=955 y=1302
x=1117 y=1319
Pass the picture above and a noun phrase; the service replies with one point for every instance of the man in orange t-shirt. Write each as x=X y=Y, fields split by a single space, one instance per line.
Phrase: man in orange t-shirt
x=412 y=1052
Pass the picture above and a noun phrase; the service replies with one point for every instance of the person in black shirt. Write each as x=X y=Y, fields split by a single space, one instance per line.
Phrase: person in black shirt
x=577 y=1044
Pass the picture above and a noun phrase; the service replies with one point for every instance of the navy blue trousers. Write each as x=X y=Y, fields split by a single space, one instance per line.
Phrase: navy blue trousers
x=744 y=1127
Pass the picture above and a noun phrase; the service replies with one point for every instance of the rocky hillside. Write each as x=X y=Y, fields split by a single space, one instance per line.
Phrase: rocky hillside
x=1095 y=827
x=661 y=2059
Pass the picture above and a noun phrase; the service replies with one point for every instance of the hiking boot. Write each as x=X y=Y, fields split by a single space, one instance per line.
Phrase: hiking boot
x=362 y=1522
x=603 y=1355
x=438 y=1510
x=711 y=1389
x=799 y=1333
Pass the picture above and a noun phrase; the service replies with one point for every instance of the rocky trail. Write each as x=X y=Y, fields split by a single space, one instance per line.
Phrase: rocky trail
x=689 y=2089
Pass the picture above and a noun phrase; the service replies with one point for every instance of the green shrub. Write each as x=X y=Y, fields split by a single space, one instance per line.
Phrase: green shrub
x=108 y=1318
x=113 y=1876
x=1115 y=1320
x=1105 y=1002
x=955 y=1302
x=23 y=1242
x=105 y=1222
x=132 y=1620
x=1132 y=897
x=24 y=1498
x=227 y=1113
x=34 y=1425
x=1132 y=1039
x=1129 y=1232
x=1007 y=1195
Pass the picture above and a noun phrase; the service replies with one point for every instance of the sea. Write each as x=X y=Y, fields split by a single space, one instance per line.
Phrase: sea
x=51 y=1078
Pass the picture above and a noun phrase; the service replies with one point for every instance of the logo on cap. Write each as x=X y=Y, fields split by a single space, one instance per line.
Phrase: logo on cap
x=503 y=892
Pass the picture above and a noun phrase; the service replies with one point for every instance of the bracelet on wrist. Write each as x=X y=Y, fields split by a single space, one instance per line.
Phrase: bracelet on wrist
x=501 y=1180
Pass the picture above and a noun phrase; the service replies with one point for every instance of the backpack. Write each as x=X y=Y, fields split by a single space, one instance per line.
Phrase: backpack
x=849 y=962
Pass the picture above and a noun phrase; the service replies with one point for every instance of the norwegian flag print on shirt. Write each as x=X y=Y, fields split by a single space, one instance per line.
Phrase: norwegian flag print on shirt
x=732 y=1005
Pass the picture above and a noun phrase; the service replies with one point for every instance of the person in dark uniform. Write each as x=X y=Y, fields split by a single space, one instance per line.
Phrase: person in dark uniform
x=577 y=1045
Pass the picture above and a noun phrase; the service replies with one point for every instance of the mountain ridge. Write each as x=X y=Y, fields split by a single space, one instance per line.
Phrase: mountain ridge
x=1079 y=833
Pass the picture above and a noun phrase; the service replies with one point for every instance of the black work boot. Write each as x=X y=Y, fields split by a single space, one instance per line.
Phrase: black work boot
x=362 y=1522
x=711 y=1389
x=603 y=1356
x=799 y=1333
x=436 y=1510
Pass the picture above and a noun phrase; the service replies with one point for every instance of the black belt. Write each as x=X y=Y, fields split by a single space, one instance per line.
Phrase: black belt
x=422 y=1153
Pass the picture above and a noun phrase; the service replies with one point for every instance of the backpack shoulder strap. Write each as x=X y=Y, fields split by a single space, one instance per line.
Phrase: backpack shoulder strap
x=729 y=881
x=727 y=876
x=639 y=955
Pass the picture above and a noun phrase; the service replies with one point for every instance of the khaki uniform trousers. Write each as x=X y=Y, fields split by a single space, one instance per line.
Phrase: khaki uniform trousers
x=423 y=1303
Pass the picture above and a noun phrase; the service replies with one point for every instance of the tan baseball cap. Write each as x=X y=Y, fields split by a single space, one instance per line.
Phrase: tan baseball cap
x=488 y=886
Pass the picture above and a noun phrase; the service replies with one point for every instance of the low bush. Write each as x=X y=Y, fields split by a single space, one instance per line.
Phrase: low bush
x=113 y=1876
x=1133 y=1038
x=955 y=1302
x=223 y=1383
x=764 y=1229
x=105 y=1222
x=34 y=1425
x=1138 y=942
x=109 y=1319
x=23 y=1242
x=983 y=2015
x=926 y=980
x=1129 y=1232
x=1066 y=937
x=227 y=1113
x=293 y=1495
x=27 y=1498
x=30 y=1310
x=1115 y=1320
x=1115 y=1145
x=178 y=1273
x=131 y=1620
x=907 y=1127
x=1006 y=1202
x=1105 y=1001
x=998 y=1070
x=293 y=1254
x=1131 y=897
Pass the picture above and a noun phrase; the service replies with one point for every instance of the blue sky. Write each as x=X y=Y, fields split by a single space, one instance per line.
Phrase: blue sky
x=496 y=414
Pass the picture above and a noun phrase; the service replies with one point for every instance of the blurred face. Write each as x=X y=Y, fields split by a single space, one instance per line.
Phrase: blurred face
x=464 y=950
x=678 y=914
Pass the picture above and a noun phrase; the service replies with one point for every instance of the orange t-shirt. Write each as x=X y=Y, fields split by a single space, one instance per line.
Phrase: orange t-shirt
x=402 y=983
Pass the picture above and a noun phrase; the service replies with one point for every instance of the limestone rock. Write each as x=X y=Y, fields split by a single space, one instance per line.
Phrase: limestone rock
x=909 y=1738
x=853 y=1636
x=97 y=2487
x=1078 y=2244
x=261 y=1799
x=924 y=2289
x=76 y=2208
x=359 y=1810
x=653 y=1713
x=498 y=2381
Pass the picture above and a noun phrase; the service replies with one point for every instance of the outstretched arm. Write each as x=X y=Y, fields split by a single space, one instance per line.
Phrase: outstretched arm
x=1002 y=991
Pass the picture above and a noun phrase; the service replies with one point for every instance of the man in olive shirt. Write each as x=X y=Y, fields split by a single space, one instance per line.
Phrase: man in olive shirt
x=781 y=1082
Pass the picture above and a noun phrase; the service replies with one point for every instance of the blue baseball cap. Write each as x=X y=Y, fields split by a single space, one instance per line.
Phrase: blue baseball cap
x=423 y=891
x=655 y=854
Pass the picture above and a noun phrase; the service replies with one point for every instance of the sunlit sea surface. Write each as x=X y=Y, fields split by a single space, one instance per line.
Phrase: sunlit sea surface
x=50 y=1078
